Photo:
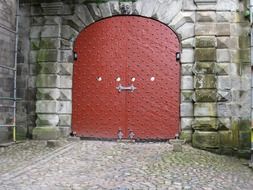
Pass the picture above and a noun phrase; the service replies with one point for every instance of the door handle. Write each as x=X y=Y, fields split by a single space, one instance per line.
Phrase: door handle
x=130 y=88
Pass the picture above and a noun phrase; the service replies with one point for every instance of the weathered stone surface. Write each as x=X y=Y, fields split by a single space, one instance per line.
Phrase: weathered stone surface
x=66 y=56
x=207 y=29
x=222 y=68
x=187 y=55
x=65 y=95
x=94 y=11
x=47 y=93
x=65 y=120
x=224 y=110
x=205 y=81
x=205 y=124
x=50 y=31
x=227 y=5
x=181 y=18
x=205 y=109
x=223 y=16
x=64 y=107
x=114 y=7
x=47 y=120
x=186 y=31
x=66 y=69
x=227 y=42
x=186 y=123
x=68 y=33
x=46 y=106
x=186 y=109
x=48 y=68
x=186 y=135
x=204 y=68
x=188 y=43
x=189 y=5
x=65 y=81
x=223 y=55
x=205 y=95
x=224 y=83
x=226 y=139
x=49 y=43
x=244 y=42
x=224 y=123
x=105 y=9
x=186 y=95
x=205 y=54
x=187 y=82
x=206 y=16
x=45 y=55
x=45 y=80
x=46 y=133
x=223 y=29
x=186 y=69
x=126 y=8
x=204 y=139
x=167 y=10
x=206 y=42
x=224 y=96
x=35 y=31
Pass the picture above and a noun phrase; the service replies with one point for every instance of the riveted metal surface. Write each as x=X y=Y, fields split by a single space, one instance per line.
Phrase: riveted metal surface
x=126 y=50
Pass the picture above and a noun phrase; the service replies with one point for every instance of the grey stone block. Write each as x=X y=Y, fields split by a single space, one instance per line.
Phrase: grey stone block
x=50 y=31
x=47 y=120
x=65 y=81
x=186 y=31
x=48 y=94
x=64 y=107
x=187 y=55
x=47 y=106
x=223 y=55
x=223 y=29
x=206 y=16
x=224 y=83
x=65 y=120
x=205 y=109
x=188 y=43
x=186 y=69
x=47 y=81
x=46 y=133
x=186 y=123
x=186 y=95
x=186 y=109
x=205 y=29
x=187 y=82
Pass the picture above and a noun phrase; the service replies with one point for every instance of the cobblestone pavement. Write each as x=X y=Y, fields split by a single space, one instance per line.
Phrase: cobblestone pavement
x=121 y=166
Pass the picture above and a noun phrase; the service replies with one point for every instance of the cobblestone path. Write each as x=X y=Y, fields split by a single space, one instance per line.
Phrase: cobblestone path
x=120 y=166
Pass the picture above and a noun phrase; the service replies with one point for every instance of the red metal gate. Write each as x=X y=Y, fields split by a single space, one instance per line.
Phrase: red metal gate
x=126 y=80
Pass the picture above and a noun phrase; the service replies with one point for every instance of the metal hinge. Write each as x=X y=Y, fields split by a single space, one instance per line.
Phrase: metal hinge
x=120 y=134
x=75 y=56
x=178 y=56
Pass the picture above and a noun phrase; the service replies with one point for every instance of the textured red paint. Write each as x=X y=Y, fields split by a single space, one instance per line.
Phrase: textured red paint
x=126 y=47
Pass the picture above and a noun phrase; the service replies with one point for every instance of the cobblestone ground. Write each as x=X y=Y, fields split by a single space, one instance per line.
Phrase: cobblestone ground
x=119 y=166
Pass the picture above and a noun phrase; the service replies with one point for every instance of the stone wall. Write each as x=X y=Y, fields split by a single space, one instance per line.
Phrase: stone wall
x=7 y=47
x=216 y=71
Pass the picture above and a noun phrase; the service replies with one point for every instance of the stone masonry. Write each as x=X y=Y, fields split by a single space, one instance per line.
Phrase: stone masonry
x=215 y=65
x=7 y=47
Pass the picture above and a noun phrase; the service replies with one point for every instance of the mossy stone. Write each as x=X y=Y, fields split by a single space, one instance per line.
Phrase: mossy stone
x=45 y=55
x=205 y=95
x=205 y=42
x=186 y=135
x=205 y=81
x=205 y=124
x=205 y=54
x=205 y=139
x=204 y=68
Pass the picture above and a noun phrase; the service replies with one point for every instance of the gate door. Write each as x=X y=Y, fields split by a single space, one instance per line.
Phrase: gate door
x=126 y=80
